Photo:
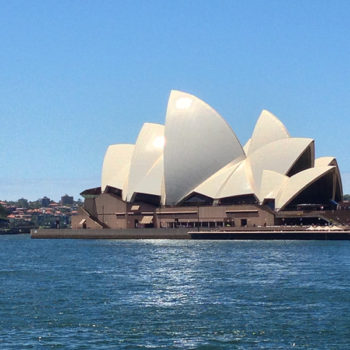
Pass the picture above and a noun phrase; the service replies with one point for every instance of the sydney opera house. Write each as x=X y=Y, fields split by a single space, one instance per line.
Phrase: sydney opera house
x=193 y=171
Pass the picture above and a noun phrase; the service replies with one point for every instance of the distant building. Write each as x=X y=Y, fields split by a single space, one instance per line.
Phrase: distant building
x=67 y=200
x=45 y=202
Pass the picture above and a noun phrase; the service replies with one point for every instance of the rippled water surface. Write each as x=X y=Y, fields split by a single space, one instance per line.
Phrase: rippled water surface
x=162 y=294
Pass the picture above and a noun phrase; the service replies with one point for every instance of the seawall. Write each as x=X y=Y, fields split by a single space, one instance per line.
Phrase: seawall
x=275 y=233
x=341 y=235
x=181 y=233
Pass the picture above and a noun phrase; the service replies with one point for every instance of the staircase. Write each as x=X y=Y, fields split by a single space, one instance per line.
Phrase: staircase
x=94 y=218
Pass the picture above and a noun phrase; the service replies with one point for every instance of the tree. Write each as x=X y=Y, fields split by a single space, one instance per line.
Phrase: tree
x=23 y=203
x=346 y=197
x=3 y=212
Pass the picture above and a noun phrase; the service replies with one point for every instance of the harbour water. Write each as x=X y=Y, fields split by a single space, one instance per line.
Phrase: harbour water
x=169 y=294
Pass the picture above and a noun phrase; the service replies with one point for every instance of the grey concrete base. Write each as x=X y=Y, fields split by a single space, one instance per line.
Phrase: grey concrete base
x=281 y=233
x=181 y=233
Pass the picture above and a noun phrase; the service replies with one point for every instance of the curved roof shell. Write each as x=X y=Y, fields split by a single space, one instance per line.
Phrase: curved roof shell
x=239 y=182
x=246 y=146
x=146 y=168
x=212 y=186
x=278 y=156
x=197 y=154
x=299 y=182
x=116 y=166
x=199 y=142
x=268 y=129
x=331 y=161
x=271 y=184
x=325 y=161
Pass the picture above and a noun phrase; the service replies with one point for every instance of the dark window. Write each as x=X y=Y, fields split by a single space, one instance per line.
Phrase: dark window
x=243 y=222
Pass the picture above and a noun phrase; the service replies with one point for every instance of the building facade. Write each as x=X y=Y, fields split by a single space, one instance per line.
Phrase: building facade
x=194 y=171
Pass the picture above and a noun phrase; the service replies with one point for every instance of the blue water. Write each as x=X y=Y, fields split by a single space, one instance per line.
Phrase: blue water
x=104 y=294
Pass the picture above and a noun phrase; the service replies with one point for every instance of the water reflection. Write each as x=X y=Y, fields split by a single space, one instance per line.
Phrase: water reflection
x=174 y=294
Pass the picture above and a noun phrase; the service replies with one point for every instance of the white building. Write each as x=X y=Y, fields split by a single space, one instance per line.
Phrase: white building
x=196 y=158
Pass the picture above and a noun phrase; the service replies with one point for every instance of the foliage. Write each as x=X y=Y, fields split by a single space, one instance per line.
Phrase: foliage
x=3 y=212
x=23 y=203
x=346 y=197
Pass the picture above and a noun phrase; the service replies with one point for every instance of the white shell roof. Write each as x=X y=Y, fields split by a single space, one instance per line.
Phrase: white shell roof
x=116 y=165
x=199 y=142
x=146 y=169
x=268 y=129
x=324 y=161
x=298 y=183
x=271 y=184
x=246 y=146
x=278 y=156
x=238 y=183
x=211 y=187
x=197 y=151
x=151 y=183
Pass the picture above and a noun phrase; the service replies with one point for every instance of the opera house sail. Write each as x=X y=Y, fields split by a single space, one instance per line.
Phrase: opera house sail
x=196 y=159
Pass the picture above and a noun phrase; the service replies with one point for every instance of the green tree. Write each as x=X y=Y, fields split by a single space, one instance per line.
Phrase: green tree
x=23 y=203
x=35 y=204
x=346 y=197
x=3 y=212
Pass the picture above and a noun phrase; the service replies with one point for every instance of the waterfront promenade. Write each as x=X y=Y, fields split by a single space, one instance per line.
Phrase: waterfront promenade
x=251 y=233
x=112 y=234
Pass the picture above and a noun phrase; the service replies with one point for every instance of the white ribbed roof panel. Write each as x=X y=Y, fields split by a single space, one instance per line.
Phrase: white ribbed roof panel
x=331 y=161
x=324 y=161
x=271 y=183
x=268 y=129
x=214 y=183
x=278 y=156
x=198 y=143
x=116 y=165
x=148 y=152
x=246 y=146
x=297 y=183
x=152 y=181
x=238 y=183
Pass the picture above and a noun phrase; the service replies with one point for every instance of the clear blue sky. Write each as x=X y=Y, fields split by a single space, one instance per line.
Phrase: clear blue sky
x=76 y=76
